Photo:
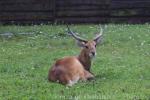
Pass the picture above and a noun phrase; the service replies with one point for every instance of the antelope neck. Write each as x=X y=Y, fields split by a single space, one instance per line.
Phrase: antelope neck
x=85 y=59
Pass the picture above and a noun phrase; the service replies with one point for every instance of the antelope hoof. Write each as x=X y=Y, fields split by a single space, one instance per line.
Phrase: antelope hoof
x=90 y=78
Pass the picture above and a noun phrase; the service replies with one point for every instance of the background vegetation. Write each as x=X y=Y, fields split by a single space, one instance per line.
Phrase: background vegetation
x=122 y=65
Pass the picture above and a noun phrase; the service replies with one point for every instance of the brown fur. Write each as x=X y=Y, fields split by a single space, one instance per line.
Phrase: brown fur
x=72 y=69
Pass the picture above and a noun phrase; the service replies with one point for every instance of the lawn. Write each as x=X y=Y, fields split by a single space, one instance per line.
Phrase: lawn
x=121 y=68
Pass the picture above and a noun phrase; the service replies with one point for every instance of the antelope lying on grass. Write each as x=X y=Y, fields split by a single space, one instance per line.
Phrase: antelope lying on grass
x=69 y=70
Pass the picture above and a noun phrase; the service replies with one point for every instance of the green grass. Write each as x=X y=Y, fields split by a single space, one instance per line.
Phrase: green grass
x=122 y=65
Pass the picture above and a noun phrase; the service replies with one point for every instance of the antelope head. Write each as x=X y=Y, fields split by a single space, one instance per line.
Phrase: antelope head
x=89 y=47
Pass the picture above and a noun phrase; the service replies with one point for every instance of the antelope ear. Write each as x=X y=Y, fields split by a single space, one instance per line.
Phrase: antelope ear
x=98 y=38
x=81 y=43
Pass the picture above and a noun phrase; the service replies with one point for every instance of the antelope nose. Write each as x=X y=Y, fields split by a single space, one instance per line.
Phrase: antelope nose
x=93 y=53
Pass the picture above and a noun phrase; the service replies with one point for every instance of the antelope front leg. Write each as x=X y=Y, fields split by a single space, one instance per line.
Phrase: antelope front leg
x=88 y=75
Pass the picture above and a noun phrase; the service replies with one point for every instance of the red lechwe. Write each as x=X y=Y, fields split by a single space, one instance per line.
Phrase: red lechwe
x=69 y=70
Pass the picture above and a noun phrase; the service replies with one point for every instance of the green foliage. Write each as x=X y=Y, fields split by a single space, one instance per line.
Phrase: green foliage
x=122 y=65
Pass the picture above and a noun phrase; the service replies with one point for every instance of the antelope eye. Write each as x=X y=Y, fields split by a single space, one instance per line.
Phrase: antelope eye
x=86 y=47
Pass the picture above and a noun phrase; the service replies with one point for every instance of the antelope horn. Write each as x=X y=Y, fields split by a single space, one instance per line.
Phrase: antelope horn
x=75 y=36
x=97 y=38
